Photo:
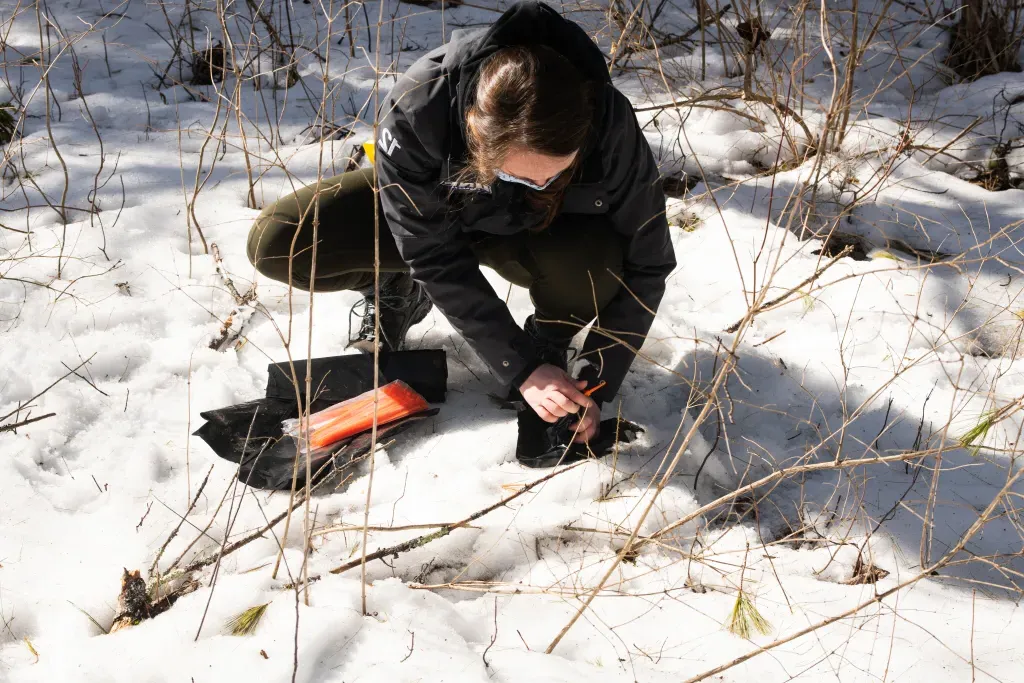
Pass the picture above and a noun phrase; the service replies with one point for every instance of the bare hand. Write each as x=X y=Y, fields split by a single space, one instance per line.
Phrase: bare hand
x=552 y=393
x=588 y=425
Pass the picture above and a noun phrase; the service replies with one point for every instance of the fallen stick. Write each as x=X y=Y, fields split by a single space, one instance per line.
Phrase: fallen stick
x=24 y=405
x=761 y=308
x=423 y=540
x=163 y=548
x=232 y=326
x=784 y=473
x=199 y=564
x=15 y=425
x=359 y=527
x=229 y=284
x=925 y=572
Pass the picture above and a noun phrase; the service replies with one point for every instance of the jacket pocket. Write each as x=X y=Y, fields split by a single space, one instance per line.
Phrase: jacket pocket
x=589 y=198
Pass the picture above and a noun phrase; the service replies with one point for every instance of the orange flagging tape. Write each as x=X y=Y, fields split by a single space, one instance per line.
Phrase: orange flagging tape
x=395 y=401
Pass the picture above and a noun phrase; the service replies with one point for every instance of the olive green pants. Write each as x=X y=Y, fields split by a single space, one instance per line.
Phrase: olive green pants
x=571 y=269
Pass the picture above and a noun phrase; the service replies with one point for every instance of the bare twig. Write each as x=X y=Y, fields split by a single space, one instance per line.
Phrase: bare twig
x=28 y=421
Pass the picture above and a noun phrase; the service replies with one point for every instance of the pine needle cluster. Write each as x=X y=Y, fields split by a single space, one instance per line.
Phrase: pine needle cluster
x=745 y=618
x=973 y=439
x=246 y=622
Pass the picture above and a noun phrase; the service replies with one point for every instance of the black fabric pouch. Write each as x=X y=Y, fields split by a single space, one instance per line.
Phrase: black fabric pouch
x=339 y=378
x=250 y=433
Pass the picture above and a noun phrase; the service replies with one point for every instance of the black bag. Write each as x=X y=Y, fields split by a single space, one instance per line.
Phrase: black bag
x=339 y=378
x=250 y=433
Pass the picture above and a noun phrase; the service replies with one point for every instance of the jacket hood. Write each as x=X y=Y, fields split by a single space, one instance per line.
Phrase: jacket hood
x=525 y=23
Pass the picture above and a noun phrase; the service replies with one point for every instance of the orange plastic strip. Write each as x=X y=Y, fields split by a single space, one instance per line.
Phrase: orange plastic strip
x=396 y=400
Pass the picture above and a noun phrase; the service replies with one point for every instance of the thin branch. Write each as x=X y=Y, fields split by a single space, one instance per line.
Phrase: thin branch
x=12 y=427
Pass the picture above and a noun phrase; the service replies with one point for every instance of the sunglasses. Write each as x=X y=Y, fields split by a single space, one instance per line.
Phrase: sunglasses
x=509 y=178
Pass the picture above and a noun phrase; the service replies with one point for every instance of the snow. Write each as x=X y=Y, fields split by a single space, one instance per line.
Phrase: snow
x=869 y=358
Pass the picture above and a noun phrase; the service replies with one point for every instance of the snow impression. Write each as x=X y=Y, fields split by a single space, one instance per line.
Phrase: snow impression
x=827 y=488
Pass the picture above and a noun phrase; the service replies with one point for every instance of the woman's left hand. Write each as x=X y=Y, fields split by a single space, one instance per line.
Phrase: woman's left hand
x=588 y=425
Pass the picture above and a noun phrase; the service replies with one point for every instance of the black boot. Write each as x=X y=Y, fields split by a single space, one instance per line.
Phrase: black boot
x=541 y=444
x=403 y=303
x=548 y=445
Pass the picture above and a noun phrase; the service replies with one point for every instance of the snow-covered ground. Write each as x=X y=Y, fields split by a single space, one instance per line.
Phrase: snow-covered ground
x=877 y=356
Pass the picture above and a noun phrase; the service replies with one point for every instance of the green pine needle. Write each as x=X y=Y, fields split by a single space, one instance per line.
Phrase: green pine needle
x=972 y=440
x=245 y=623
x=745 y=619
x=90 y=618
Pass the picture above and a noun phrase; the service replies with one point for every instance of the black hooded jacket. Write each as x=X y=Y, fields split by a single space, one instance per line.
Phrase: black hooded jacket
x=421 y=148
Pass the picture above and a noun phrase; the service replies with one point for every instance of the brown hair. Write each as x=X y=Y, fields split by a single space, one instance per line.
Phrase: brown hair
x=533 y=98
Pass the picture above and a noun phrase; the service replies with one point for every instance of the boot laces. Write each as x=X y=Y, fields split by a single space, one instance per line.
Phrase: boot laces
x=364 y=311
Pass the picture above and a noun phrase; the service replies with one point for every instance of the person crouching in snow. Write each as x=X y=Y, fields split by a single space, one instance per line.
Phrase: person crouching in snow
x=507 y=147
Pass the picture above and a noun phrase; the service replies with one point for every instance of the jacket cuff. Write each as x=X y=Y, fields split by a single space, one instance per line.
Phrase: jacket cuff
x=523 y=374
x=514 y=363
